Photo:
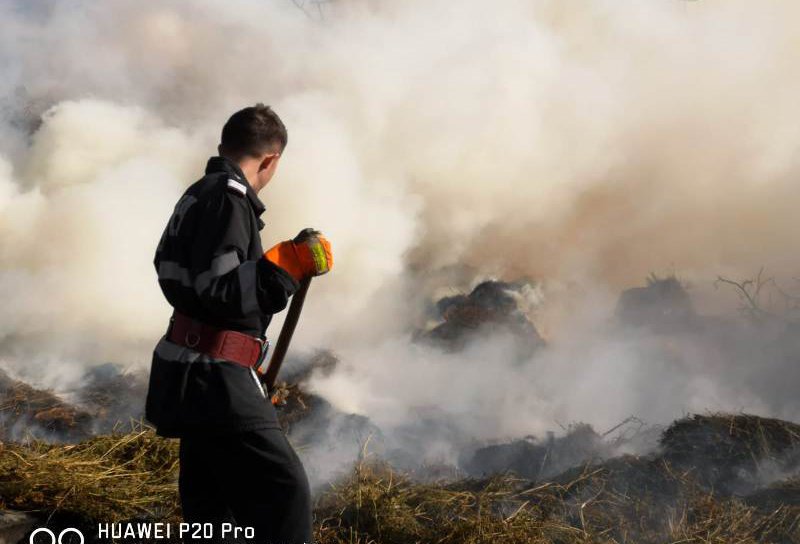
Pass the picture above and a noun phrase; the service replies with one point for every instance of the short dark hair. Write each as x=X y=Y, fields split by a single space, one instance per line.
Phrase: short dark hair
x=253 y=131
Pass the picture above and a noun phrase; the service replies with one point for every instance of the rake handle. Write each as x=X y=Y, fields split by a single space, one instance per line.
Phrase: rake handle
x=285 y=337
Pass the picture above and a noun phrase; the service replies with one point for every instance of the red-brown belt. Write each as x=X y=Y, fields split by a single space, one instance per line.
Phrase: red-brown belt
x=232 y=346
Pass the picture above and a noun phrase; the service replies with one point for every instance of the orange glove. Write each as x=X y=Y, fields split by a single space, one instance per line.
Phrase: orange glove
x=308 y=255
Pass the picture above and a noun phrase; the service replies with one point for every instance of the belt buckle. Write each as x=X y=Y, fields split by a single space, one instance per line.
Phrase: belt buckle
x=264 y=350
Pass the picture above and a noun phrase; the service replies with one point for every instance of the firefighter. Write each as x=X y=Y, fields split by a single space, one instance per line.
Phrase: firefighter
x=236 y=465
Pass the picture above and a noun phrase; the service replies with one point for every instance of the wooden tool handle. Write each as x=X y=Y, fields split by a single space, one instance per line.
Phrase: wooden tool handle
x=285 y=337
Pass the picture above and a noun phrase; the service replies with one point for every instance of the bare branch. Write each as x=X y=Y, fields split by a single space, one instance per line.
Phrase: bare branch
x=757 y=297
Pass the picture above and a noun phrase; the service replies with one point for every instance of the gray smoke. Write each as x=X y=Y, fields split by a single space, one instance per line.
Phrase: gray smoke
x=580 y=143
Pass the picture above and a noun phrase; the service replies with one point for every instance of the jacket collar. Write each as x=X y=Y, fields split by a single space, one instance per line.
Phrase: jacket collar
x=222 y=164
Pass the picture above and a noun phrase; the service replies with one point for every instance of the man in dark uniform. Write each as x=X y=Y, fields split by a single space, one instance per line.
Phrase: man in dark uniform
x=235 y=462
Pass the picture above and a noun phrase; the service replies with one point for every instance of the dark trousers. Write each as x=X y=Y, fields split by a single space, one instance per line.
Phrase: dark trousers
x=252 y=479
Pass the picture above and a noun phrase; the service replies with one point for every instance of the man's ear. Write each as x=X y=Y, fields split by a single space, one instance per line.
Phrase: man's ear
x=267 y=161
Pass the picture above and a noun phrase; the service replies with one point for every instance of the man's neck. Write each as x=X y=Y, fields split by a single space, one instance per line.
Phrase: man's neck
x=250 y=170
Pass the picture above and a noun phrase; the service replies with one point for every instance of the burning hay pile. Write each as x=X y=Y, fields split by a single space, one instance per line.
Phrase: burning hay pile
x=113 y=396
x=662 y=305
x=491 y=307
x=27 y=412
x=733 y=454
x=109 y=400
x=533 y=459
x=297 y=404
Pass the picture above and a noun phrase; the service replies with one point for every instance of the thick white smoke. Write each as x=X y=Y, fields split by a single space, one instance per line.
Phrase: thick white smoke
x=580 y=143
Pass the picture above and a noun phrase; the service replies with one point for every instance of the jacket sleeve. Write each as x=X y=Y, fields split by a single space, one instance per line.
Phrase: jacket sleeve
x=227 y=284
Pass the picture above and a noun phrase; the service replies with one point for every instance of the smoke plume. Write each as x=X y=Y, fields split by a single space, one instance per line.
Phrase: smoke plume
x=581 y=144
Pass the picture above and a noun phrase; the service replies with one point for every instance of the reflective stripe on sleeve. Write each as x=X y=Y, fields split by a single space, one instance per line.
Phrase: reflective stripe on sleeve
x=221 y=265
x=170 y=270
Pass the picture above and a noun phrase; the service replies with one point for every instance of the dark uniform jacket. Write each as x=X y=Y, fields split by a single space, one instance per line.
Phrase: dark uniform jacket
x=210 y=267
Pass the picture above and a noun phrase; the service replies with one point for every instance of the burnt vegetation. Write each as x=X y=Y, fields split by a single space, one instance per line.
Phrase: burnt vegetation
x=706 y=478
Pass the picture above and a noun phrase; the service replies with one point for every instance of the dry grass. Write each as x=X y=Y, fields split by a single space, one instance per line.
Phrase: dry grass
x=108 y=478
x=376 y=505
x=624 y=500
